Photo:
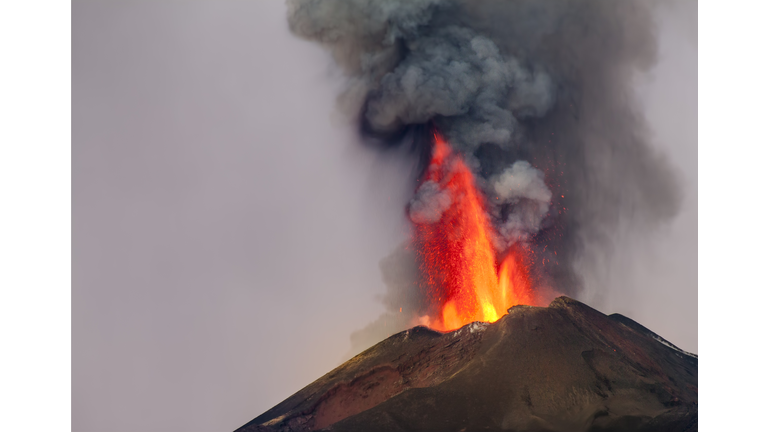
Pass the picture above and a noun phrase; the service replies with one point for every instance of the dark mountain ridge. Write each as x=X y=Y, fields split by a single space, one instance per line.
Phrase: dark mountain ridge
x=566 y=367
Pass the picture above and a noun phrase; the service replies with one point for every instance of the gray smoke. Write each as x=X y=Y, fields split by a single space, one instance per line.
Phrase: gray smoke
x=429 y=203
x=461 y=78
x=411 y=71
x=536 y=94
x=520 y=187
x=406 y=306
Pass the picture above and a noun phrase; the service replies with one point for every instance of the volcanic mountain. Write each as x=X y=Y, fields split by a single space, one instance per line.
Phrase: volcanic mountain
x=566 y=367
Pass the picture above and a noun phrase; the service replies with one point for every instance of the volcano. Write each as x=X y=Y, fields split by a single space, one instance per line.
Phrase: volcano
x=565 y=367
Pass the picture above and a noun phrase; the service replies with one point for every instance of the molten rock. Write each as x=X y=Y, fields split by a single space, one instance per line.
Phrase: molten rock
x=566 y=367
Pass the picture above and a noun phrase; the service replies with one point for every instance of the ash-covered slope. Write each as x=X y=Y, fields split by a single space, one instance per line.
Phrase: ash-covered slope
x=566 y=367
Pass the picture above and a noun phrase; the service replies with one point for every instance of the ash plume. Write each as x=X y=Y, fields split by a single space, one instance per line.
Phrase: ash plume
x=537 y=96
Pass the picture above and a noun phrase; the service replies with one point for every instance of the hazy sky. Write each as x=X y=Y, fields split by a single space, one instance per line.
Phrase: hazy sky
x=227 y=226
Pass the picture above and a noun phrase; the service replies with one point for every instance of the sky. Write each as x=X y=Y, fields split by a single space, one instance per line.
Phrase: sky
x=227 y=225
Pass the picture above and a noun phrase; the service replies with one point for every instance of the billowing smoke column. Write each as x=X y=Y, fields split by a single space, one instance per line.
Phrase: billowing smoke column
x=534 y=94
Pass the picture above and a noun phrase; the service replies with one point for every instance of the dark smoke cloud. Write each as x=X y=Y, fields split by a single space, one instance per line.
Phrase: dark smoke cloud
x=542 y=88
x=411 y=65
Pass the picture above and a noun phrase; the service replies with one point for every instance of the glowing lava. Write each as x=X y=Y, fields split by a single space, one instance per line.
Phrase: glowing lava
x=457 y=254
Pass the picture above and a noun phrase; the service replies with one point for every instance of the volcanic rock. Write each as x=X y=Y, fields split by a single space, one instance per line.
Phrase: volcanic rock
x=566 y=367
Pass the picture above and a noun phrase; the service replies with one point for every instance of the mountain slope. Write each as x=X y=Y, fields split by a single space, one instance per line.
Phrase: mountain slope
x=566 y=367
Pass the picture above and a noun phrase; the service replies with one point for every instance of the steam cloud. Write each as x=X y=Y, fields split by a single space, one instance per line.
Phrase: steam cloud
x=536 y=94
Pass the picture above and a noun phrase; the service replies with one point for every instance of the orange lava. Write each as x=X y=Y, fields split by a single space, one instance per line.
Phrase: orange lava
x=457 y=254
